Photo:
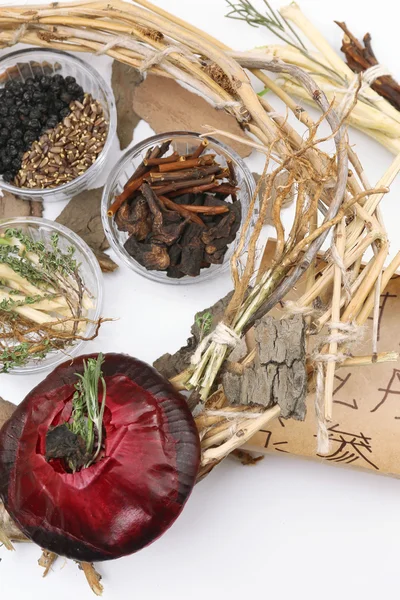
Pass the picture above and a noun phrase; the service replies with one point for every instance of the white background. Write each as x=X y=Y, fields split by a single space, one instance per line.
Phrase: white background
x=286 y=528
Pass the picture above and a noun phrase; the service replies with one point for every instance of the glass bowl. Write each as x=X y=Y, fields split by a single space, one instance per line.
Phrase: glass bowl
x=42 y=230
x=183 y=142
x=92 y=83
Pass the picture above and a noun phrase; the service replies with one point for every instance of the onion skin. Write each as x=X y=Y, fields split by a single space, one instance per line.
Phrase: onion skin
x=124 y=501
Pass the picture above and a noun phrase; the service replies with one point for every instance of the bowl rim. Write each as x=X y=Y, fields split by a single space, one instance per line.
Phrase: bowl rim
x=137 y=149
x=42 y=194
x=59 y=355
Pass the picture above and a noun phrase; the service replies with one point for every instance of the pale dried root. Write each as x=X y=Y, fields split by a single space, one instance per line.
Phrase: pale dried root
x=93 y=577
x=247 y=459
x=47 y=560
x=9 y=532
x=5 y=540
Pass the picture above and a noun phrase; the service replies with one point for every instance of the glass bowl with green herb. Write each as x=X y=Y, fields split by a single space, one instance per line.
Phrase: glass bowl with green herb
x=50 y=294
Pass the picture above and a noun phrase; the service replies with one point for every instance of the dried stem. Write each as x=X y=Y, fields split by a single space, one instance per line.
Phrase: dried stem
x=340 y=243
x=93 y=578
x=47 y=560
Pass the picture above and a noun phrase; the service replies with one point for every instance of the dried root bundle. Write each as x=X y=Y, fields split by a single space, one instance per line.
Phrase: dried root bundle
x=376 y=110
x=341 y=293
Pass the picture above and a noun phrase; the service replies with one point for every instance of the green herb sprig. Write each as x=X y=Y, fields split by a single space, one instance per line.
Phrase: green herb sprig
x=87 y=412
x=243 y=10
x=204 y=323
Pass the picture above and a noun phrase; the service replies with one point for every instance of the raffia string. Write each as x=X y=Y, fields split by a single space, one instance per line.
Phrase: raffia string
x=346 y=276
x=18 y=34
x=222 y=334
x=345 y=335
x=366 y=78
x=293 y=308
x=157 y=57
x=123 y=40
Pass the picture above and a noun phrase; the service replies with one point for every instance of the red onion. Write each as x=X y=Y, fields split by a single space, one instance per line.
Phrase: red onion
x=127 y=498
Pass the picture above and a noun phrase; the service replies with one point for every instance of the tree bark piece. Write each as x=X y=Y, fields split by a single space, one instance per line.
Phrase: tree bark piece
x=361 y=57
x=124 y=79
x=278 y=374
x=11 y=206
x=82 y=215
x=167 y=106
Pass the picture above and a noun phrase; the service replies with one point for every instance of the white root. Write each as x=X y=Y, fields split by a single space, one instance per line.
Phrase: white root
x=55 y=304
x=7 y=274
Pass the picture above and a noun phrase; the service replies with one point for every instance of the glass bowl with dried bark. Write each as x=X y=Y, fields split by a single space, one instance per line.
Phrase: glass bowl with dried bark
x=51 y=294
x=174 y=205
x=57 y=123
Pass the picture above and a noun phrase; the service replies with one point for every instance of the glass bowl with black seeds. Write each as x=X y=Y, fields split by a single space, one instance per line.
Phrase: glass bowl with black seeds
x=57 y=123
x=174 y=206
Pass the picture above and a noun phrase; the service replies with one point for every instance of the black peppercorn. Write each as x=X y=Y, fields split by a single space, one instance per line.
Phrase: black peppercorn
x=33 y=124
x=52 y=122
x=45 y=81
x=29 y=137
x=5 y=158
x=65 y=97
x=58 y=105
x=12 y=150
x=35 y=113
x=64 y=112
x=16 y=134
x=27 y=96
x=12 y=122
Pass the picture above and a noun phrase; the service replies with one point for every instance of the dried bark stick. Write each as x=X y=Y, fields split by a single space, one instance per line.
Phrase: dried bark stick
x=360 y=58
x=181 y=210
